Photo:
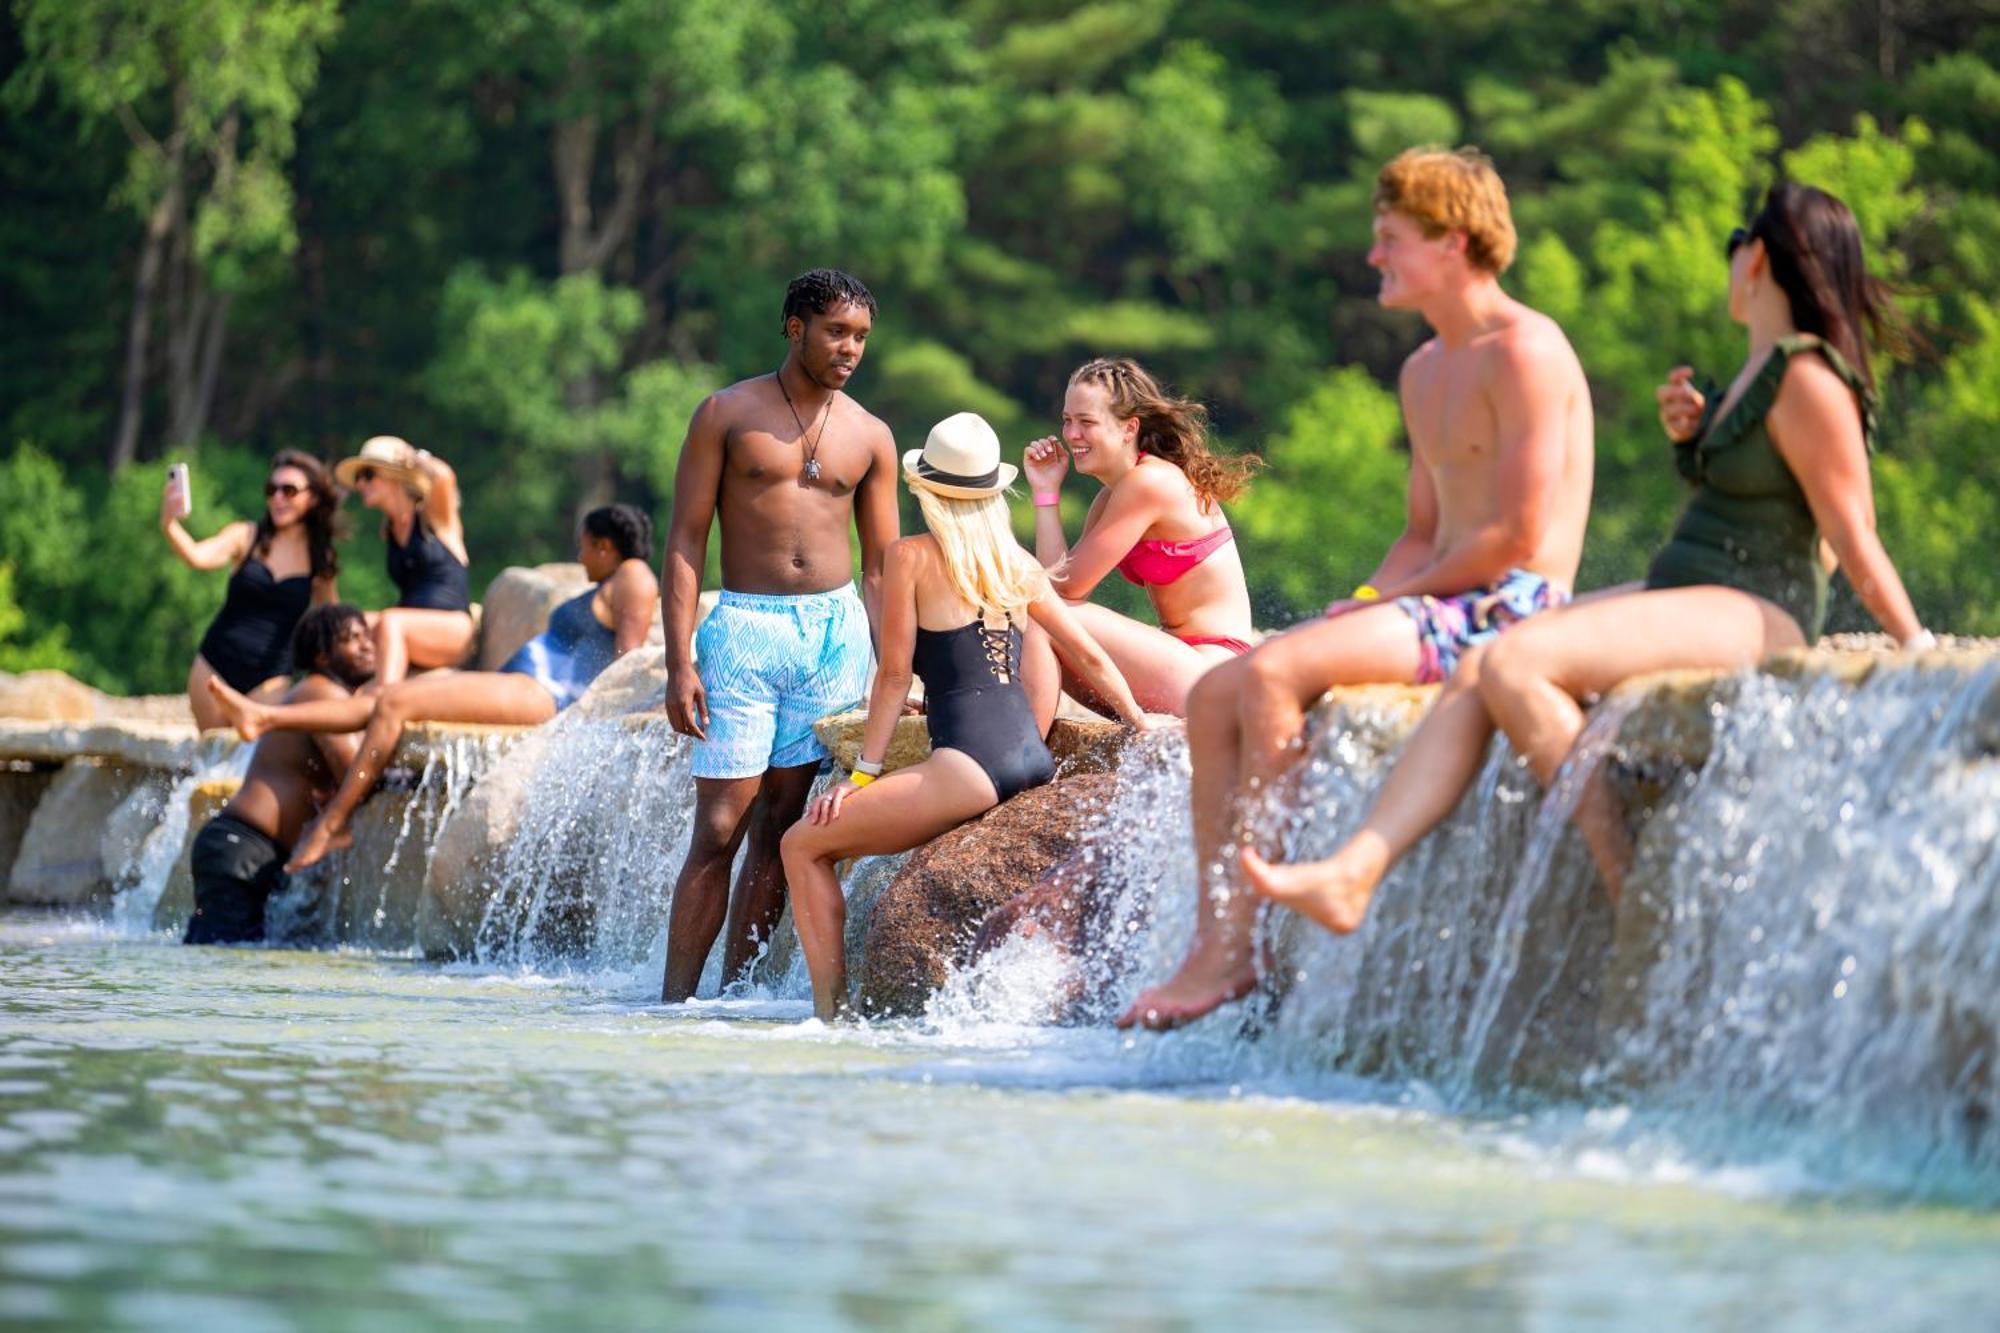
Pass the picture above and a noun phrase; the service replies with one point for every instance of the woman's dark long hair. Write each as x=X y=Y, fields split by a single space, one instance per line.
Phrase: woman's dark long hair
x=1814 y=247
x=323 y=523
x=1172 y=428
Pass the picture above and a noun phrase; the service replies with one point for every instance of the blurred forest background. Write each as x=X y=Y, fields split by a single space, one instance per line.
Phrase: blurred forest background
x=531 y=235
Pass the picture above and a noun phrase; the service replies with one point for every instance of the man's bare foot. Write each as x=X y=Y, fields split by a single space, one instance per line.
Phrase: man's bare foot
x=1334 y=892
x=1209 y=979
x=250 y=718
x=318 y=841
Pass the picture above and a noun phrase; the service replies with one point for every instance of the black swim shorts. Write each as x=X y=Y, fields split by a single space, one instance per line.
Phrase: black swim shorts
x=236 y=868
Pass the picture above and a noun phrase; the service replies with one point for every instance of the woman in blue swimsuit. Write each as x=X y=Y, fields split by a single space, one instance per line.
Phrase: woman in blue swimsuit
x=550 y=672
x=954 y=602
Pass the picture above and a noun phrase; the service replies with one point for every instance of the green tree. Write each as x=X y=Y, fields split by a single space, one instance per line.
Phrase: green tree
x=207 y=92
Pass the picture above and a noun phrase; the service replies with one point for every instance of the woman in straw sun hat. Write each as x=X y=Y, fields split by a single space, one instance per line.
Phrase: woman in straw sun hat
x=431 y=623
x=954 y=603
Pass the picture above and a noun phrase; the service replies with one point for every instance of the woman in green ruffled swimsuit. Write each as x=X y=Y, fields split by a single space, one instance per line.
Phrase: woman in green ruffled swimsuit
x=1778 y=464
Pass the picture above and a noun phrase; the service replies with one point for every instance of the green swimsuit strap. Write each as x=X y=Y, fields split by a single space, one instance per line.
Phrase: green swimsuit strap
x=1864 y=397
x=1718 y=431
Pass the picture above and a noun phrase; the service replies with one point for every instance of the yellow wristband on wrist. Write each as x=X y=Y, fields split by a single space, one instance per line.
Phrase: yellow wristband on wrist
x=860 y=779
x=1367 y=592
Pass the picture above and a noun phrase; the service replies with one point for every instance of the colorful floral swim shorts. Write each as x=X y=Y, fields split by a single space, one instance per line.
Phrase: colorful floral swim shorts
x=1447 y=627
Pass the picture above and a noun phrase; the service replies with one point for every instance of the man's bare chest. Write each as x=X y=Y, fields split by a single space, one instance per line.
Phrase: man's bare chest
x=1450 y=414
x=832 y=465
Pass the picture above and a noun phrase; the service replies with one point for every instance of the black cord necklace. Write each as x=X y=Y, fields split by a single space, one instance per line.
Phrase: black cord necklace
x=811 y=474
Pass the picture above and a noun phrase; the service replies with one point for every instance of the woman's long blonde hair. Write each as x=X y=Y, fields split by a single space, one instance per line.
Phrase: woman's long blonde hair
x=986 y=565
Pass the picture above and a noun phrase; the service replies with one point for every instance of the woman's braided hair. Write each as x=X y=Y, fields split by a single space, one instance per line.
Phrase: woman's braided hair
x=1175 y=429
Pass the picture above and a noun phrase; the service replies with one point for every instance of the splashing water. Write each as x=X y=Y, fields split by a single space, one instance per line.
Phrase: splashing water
x=1801 y=971
x=143 y=880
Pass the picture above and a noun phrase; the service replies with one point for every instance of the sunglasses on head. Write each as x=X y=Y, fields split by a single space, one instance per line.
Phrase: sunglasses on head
x=1738 y=238
x=285 y=488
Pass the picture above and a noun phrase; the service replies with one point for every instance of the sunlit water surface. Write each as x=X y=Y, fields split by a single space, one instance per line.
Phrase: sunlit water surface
x=247 y=1139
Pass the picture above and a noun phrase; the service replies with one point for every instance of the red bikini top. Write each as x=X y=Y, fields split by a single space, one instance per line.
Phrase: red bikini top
x=1154 y=563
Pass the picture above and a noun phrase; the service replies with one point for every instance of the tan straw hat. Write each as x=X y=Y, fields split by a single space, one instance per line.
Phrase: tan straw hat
x=961 y=459
x=389 y=456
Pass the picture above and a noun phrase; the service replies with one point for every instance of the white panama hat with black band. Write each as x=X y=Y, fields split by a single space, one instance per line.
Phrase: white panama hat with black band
x=960 y=459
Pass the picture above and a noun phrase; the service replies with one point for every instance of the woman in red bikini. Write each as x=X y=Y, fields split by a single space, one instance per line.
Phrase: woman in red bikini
x=1158 y=521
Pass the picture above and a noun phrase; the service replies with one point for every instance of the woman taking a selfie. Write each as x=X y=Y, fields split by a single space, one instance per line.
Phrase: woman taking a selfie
x=284 y=562
x=431 y=623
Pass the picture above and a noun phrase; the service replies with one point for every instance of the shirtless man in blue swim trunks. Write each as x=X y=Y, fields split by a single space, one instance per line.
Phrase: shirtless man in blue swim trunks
x=785 y=462
x=1499 y=421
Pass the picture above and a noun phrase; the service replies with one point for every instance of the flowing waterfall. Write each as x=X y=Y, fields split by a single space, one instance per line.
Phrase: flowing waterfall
x=1803 y=970
x=584 y=879
x=164 y=807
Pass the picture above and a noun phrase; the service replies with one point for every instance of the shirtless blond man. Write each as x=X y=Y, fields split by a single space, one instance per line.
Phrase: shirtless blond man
x=1499 y=421
x=787 y=464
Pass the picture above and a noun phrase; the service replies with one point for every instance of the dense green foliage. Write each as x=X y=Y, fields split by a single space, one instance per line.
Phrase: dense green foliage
x=530 y=236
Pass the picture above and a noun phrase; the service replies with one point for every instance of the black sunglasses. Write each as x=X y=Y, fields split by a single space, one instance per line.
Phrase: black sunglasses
x=362 y=474
x=284 y=488
x=1738 y=238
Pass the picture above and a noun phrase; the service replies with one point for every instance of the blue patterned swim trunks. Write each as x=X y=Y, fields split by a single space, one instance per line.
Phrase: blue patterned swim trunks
x=772 y=666
x=1448 y=626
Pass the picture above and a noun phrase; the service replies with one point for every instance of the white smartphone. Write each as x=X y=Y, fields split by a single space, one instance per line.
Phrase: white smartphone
x=177 y=477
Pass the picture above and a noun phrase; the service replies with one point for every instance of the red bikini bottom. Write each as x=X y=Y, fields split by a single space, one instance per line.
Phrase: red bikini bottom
x=1236 y=646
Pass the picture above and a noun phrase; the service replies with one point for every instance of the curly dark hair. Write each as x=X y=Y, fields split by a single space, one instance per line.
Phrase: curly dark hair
x=318 y=630
x=820 y=290
x=324 y=525
x=625 y=527
x=1175 y=429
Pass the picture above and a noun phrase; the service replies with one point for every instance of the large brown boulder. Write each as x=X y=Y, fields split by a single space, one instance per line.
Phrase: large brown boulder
x=517 y=607
x=922 y=924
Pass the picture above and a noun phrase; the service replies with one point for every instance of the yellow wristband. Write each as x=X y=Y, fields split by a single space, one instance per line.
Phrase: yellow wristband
x=1367 y=592
x=860 y=779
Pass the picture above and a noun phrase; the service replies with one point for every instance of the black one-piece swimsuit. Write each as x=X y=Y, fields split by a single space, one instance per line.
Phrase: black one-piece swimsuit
x=975 y=703
x=427 y=575
x=250 y=639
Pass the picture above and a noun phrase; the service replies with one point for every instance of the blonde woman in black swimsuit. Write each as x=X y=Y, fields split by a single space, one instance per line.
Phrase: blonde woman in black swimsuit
x=1780 y=463
x=954 y=602
x=285 y=563
x=431 y=623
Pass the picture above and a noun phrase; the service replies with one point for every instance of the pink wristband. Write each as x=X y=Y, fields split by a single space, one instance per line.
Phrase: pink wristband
x=1047 y=499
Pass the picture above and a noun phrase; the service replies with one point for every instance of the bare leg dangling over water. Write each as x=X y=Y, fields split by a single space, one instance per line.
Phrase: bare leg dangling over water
x=490 y=697
x=1437 y=764
x=252 y=718
x=1529 y=682
x=1245 y=718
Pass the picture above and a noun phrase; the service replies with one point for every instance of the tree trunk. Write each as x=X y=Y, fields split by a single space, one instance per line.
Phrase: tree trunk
x=197 y=315
x=197 y=362
x=587 y=245
x=132 y=401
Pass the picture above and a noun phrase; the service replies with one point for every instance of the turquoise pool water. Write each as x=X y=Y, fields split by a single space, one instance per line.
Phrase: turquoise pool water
x=242 y=1139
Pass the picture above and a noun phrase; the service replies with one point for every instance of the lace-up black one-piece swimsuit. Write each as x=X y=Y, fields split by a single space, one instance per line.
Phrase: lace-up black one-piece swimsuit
x=975 y=703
